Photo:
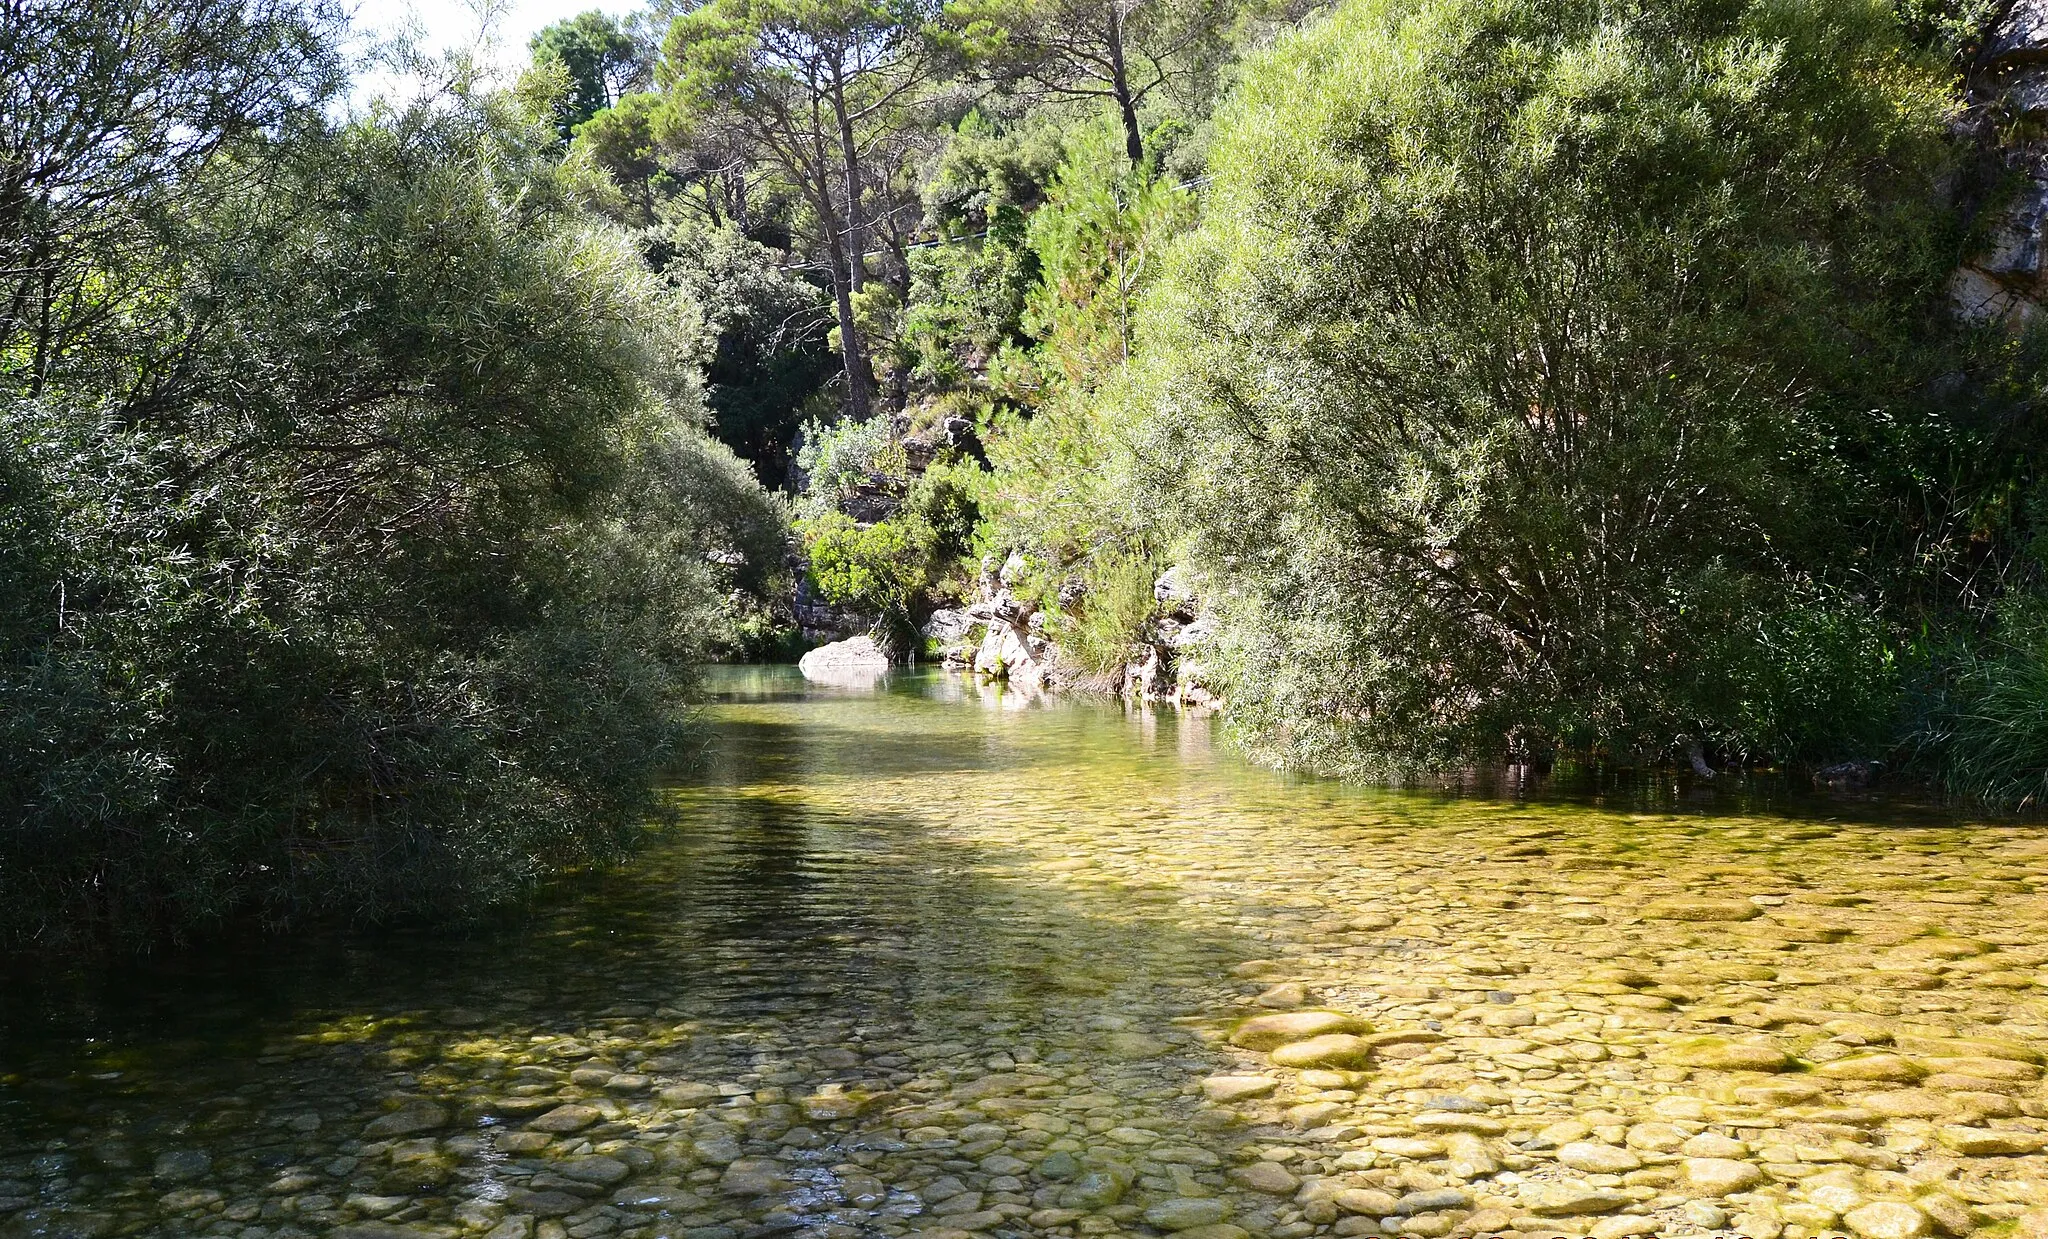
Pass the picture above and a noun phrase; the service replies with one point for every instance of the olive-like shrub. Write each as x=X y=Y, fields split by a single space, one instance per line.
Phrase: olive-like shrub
x=1501 y=387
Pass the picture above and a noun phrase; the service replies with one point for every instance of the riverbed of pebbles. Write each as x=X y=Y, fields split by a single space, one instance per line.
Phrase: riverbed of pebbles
x=1006 y=985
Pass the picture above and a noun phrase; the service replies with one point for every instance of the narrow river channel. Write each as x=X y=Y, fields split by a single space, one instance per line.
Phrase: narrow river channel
x=926 y=959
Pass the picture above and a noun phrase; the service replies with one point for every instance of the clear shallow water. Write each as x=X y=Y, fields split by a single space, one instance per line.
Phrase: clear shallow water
x=932 y=958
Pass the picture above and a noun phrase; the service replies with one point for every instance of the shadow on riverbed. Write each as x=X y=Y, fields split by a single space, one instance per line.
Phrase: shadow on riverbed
x=767 y=948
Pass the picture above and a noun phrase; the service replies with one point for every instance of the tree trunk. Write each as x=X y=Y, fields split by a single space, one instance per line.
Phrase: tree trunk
x=1120 y=83
x=734 y=183
x=852 y=352
x=849 y=157
x=849 y=261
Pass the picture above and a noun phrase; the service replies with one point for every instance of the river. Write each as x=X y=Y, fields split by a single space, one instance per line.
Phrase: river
x=937 y=960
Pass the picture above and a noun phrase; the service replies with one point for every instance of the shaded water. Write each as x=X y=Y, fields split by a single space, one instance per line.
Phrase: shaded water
x=926 y=958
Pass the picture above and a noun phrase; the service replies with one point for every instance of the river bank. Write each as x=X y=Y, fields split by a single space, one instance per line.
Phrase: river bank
x=917 y=963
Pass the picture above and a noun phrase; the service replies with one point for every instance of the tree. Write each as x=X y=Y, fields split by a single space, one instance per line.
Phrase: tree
x=625 y=141
x=358 y=535
x=106 y=108
x=810 y=80
x=1504 y=385
x=603 y=62
x=1118 y=50
x=773 y=331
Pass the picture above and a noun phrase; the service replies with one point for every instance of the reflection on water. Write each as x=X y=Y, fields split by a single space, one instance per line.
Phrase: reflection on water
x=930 y=956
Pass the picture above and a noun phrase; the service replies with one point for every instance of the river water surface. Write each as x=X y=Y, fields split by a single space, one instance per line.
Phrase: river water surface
x=928 y=959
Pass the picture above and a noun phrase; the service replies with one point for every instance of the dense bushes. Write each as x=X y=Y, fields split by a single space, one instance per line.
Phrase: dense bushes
x=897 y=564
x=1983 y=730
x=1503 y=382
x=353 y=560
x=1062 y=488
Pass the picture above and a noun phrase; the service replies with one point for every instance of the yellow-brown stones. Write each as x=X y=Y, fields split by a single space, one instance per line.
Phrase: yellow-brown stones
x=1987 y=1142
x=1722 y=1054
x=1227 y=1089
x=1013 y=1006
x=1882 y=1068
x=1339 y=1050
x=1707 y=910
x=1887 y=1220
x=1270 y=1032
x=1720 y=1176
x=832 y=1104
x=1286 y=995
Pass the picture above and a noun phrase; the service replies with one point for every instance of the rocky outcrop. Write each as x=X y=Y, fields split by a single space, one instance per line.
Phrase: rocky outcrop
x=1001 y=636
x=949 y=628
x=817 y=619
x=924 y=445
x=2006 y=112
x=997 y=635
x=1013 y=646
x=1168 y=662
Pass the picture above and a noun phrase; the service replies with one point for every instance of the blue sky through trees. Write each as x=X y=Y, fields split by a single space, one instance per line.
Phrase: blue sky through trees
x=443 y=24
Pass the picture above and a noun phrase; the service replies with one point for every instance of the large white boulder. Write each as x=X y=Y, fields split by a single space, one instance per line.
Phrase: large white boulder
x=856 y=662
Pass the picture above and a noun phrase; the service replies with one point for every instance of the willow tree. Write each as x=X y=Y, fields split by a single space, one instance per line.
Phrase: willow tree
x=811 y=82
x=107 y=109
x=357 y=530
x=1502 y=385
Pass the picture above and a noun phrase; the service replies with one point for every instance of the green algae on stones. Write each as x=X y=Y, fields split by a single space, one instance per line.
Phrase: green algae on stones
x=1269 y=1032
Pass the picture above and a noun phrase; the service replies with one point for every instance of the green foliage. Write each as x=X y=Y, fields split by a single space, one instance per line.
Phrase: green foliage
x=1804 y=671
x=1062 y=487
x=1116 y=603
x=967 y=303
x=110 y=114
x=1982 y=728
x=602 y=62
x=1503 y=383
x=811 y=86
x=881 y=569
x=947 y=496
x=355 y=568
x=696 y=541
x=624 y=141
x=1952 y=28
x=772 y=353
x=840 y=460
x=892 y=567
x=1098 y=240
x=1107 y=50
x=990 y=163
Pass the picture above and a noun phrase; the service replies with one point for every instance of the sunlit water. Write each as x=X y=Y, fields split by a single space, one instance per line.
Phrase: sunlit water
x=924 y=957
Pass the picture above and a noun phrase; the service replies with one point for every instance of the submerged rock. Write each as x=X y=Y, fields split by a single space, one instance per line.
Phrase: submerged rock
x=409 y=1119
x=1268 y=1032
x=1238 y=1088
x=1186 y=1214
x=1329 y=1050
x=181 y=1166
x=1721 y=1054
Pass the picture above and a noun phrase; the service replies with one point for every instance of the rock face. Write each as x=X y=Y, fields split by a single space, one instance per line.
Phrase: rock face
x=997 y=635
x=1166 y=664
x=855 y=662
x=949 y=627
x=2006 y=92
x=1000 y=635
x=1012 y=652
